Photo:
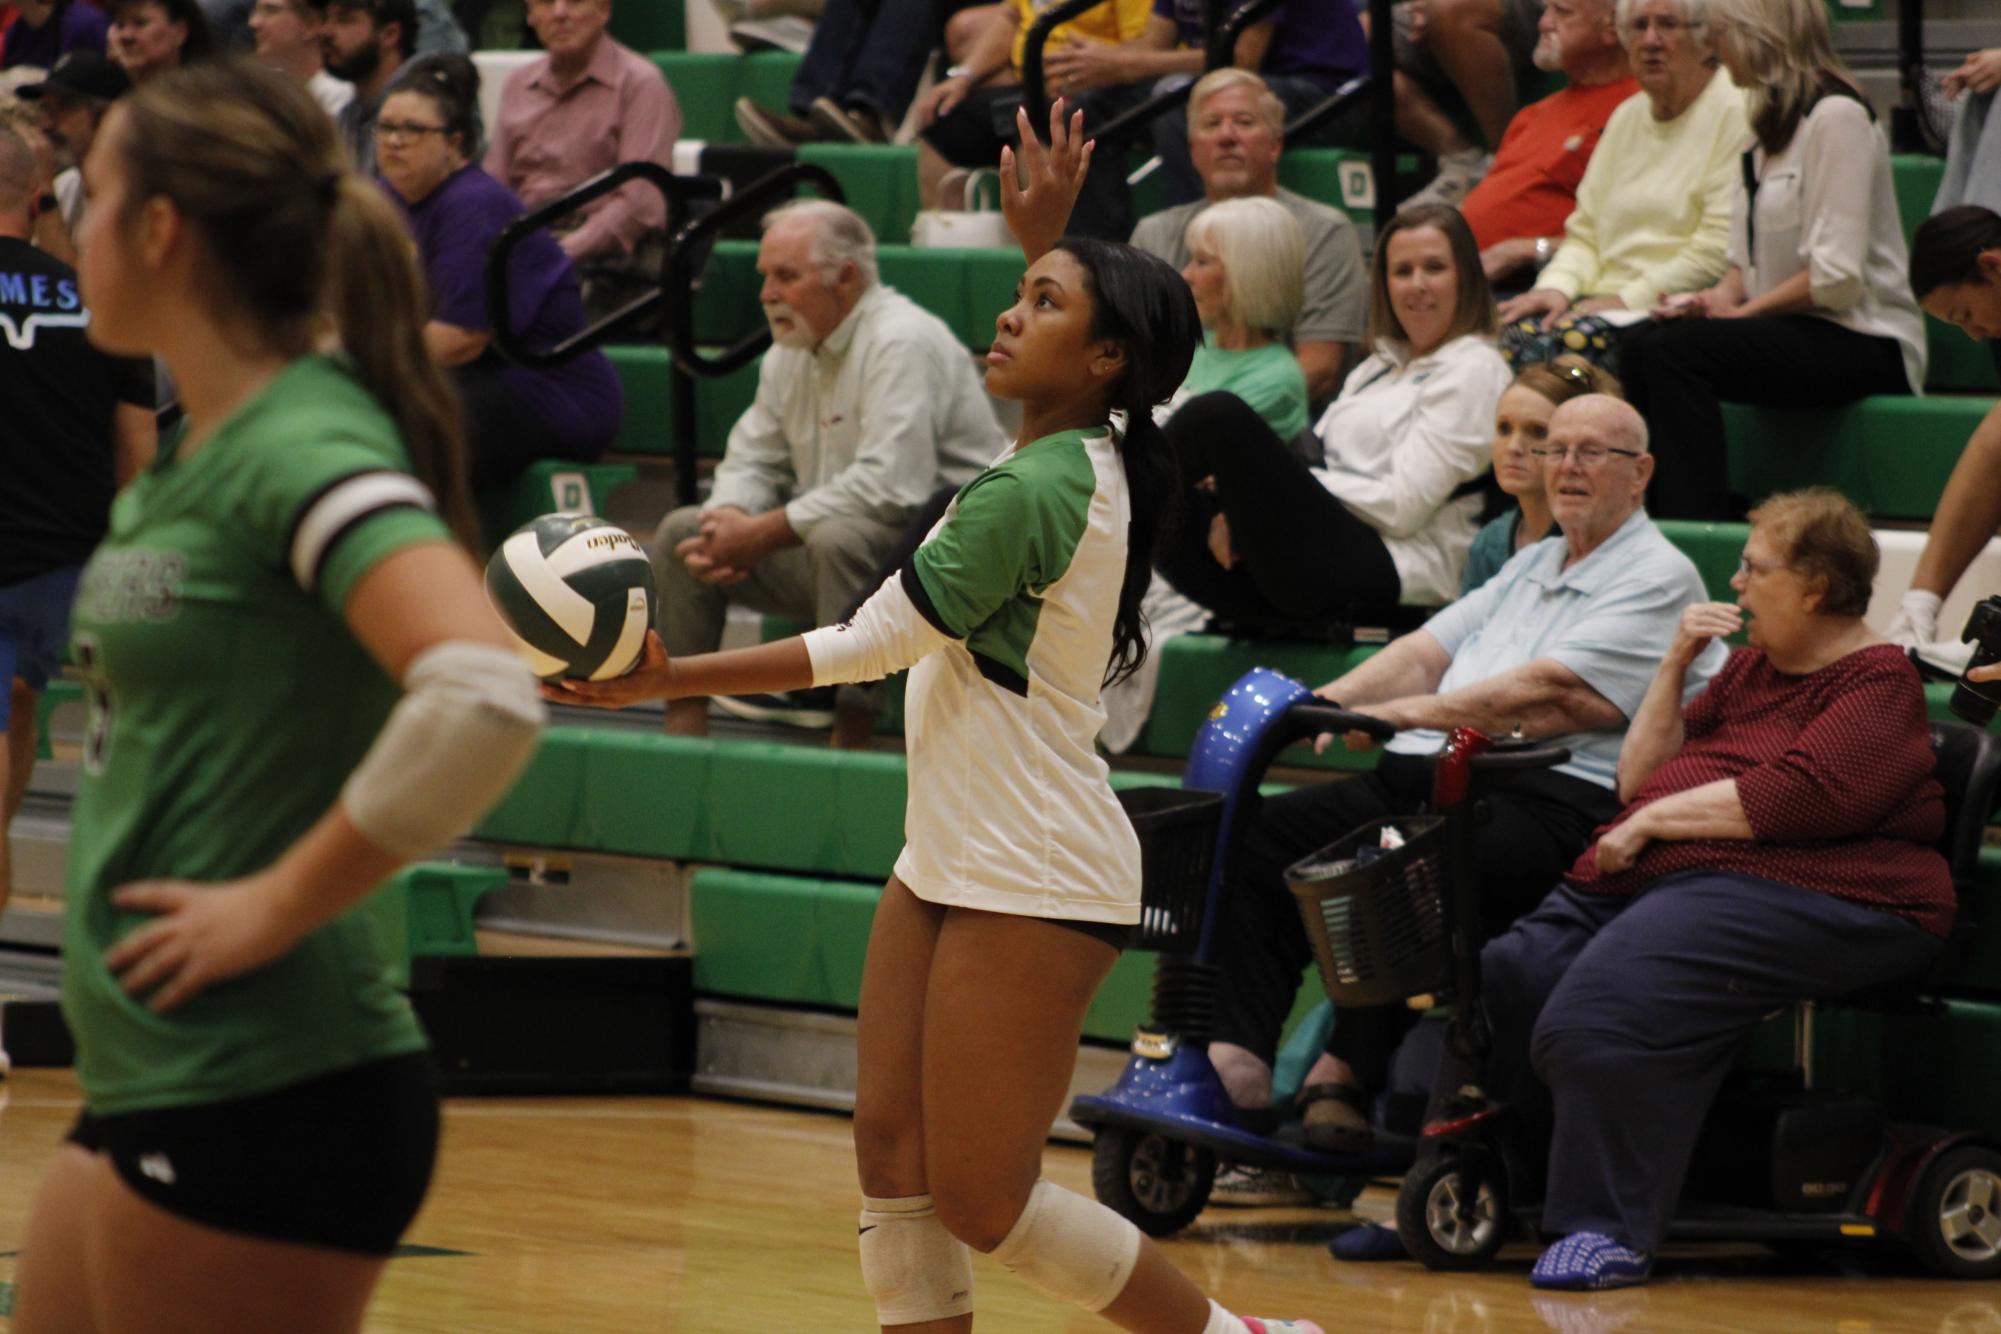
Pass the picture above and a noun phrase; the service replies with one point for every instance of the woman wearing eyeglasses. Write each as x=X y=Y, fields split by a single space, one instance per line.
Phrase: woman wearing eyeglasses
x=1778 y=843
x=427 y=146
x=1815 y=310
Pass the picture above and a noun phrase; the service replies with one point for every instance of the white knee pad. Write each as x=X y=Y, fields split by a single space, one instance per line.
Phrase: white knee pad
x=1071 y=1248
x=911 y=1265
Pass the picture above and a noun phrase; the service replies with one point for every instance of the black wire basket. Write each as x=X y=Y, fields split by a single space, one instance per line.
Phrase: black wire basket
x=1177 y=846
x=1377 y=917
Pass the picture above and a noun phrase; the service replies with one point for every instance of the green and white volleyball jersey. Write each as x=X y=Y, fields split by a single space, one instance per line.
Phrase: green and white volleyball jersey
x=1007 y=613
x=228 y=702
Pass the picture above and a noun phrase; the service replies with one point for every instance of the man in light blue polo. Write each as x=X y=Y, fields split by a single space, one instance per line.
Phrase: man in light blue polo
x=1562 y=644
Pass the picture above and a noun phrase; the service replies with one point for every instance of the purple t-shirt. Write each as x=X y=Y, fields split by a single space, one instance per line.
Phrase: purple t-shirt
x=1318 y=40
x=77 y=26
x=456 y=226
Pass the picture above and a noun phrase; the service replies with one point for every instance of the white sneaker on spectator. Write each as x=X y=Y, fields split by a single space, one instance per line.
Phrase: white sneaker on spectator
x=1457 y=174
x=1240 y=1187
x=785 y=32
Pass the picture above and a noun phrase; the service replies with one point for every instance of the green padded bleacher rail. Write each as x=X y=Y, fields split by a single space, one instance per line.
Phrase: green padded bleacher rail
x=793 y=941
x=551 y=486
x=740 y=803
x=707 y=84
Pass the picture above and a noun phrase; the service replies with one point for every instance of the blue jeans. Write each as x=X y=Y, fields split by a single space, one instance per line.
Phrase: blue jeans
x=34 y=631
x=870 y=52
x=1630 y=1012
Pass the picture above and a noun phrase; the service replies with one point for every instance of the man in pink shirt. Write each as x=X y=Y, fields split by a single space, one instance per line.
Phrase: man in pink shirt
x=587 y=105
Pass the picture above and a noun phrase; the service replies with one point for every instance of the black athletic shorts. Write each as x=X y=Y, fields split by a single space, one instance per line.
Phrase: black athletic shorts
x=1116 y=934
x=342 y=1160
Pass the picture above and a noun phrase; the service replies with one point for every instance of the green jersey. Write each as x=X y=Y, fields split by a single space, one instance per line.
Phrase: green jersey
x=228 y=703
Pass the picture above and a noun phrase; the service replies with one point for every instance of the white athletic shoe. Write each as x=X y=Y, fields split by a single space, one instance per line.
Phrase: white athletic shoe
x=1457 y=174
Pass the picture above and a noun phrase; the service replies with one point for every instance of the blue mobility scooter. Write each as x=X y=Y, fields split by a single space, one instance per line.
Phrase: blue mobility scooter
x=1162 y=1130
x=1781 y=1160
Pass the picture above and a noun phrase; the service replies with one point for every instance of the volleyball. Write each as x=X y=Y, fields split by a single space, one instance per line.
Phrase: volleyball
x=577 y=593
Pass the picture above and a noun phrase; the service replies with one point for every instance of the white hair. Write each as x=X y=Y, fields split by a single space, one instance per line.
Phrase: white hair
x=1263 y=253
x=840 y=235
x=1217 y=80
x=1694 y=13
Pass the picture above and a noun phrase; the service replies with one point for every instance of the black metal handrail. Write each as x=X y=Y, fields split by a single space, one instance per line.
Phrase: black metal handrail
x=1221 y=35
x=690 y=251
x=678 y=192
x=687 y=254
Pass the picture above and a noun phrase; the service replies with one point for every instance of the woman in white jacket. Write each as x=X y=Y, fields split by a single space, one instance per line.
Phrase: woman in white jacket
x=1385 y=513
x=1816 y=309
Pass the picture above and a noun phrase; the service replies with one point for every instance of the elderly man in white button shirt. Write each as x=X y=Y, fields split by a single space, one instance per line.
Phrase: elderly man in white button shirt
x=865 y=404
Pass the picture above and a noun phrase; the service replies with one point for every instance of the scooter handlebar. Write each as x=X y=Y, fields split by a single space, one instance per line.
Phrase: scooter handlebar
x=1505 y=758
x=1311 y=719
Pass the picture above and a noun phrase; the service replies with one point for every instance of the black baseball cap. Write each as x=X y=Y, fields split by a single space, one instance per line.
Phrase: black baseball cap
x=82 y=74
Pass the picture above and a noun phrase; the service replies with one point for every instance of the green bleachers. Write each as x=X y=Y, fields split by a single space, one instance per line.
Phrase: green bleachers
x=1891 y=455
x=648 y=427
x=707 y=84
x=651 y=25
x=549 y=487
x=878 y=180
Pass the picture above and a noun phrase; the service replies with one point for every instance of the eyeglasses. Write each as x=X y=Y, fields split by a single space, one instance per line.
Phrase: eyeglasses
x=1587 y=456
x=1747 y=567
x=401 y=131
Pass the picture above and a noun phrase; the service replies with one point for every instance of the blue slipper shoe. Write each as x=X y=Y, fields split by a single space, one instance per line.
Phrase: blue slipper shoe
x=1590 y=1262
x=1370 y=1241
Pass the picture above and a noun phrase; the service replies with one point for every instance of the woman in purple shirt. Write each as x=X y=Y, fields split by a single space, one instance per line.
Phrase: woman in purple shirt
x=427 y=149
x=47 y=30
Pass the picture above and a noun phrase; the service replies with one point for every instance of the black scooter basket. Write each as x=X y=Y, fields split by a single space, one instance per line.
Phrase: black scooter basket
x=1177 y=845
x=1378 y=922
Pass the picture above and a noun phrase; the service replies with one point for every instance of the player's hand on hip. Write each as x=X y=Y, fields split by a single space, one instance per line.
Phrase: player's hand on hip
x=202 y=934
x=649 y=680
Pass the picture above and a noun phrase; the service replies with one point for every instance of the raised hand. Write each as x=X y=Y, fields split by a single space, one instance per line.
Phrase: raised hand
x=1040 y=186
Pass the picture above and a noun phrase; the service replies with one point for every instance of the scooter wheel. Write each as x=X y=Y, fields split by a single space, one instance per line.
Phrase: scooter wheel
x=1158 y=1183
x=1452 y=1212
x=1955 y=1214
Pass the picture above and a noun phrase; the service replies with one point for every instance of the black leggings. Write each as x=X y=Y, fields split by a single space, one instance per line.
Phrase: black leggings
x=1301 y=554
x=1677 y=372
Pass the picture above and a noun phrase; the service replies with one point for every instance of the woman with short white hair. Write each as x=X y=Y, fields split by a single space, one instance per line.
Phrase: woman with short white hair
x=1815 y=310
x=1245 y=260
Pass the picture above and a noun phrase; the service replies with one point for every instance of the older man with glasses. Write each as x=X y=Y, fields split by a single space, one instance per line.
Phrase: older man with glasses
x=1562 y=644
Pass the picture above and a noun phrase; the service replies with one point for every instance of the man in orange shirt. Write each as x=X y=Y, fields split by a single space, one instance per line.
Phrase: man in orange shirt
x=1517 y=212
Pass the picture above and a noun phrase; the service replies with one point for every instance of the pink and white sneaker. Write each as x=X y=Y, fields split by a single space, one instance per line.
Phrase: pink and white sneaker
x=1268 y=1326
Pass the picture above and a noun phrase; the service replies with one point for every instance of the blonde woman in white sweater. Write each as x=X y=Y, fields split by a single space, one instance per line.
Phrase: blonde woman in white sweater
x=1815 y=310
x=1653 y=210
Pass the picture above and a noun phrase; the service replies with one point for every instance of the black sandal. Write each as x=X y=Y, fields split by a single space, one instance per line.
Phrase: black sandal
x=1336 y=1133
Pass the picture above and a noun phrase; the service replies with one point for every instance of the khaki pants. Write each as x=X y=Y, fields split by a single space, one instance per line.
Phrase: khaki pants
x=816 y=581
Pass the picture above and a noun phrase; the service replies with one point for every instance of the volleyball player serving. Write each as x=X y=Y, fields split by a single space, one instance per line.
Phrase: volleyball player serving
x=260 y=1117
x=1020 y=876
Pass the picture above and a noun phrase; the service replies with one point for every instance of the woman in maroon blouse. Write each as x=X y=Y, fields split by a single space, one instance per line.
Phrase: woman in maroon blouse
x=1778 y=843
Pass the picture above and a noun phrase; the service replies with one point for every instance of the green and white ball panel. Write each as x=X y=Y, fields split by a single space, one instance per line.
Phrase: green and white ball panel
x=578 y=594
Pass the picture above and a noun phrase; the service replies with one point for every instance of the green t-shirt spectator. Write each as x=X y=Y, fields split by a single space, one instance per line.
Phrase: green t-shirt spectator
x=1267 y=378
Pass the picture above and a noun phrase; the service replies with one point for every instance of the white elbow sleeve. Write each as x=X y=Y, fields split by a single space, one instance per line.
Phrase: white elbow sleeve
x=454 y=744
x=887 y=635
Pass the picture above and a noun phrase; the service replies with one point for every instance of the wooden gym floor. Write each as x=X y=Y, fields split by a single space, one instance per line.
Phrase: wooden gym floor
x=685 y=1214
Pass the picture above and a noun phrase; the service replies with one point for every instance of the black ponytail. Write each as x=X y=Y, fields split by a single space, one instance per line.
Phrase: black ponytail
x=1144 y=305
